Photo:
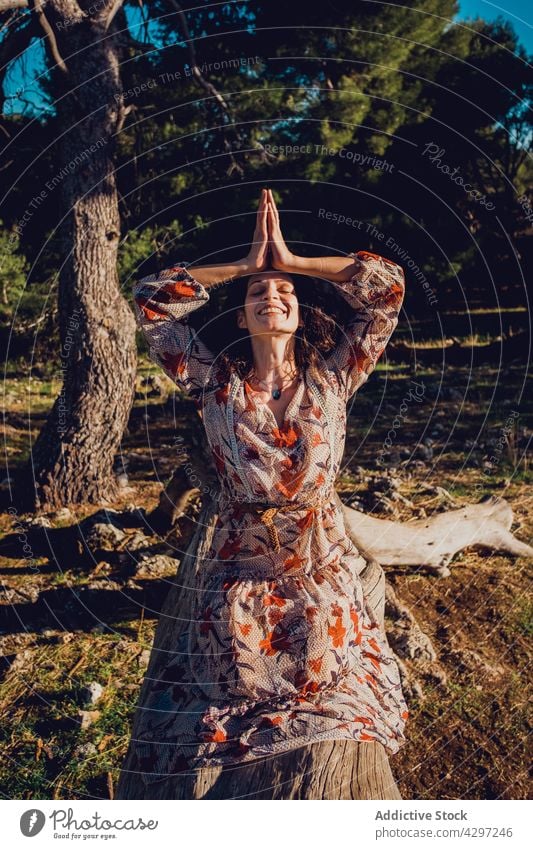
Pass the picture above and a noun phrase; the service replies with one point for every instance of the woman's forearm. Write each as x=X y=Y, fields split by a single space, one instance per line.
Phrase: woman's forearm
x=209 y=275
x=335 y=268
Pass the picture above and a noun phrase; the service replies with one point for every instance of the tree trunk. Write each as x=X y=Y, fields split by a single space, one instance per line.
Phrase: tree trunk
x=72 y=459
x=330 y=769
x=327 y=769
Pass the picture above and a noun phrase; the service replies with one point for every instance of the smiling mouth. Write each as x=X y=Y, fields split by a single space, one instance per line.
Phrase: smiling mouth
x=272 y=311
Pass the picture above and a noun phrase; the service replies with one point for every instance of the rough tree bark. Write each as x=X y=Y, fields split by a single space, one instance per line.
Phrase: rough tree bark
x=331 y=769
x=72 y=458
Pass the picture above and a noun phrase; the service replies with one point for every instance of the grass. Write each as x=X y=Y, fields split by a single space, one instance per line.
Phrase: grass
x=42 y=739
x=519 y=620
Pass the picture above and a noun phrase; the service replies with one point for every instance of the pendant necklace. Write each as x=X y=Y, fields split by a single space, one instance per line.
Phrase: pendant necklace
x=276 y=391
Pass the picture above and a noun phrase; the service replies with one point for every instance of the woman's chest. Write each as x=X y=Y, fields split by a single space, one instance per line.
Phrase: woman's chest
x=263 y=404
x=304 y=418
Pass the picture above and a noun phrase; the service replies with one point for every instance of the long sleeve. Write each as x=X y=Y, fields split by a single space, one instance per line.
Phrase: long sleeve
x=374 y=296
x=163 y=303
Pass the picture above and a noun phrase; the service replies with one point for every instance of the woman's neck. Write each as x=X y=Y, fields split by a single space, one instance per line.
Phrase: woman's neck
x=274 y=360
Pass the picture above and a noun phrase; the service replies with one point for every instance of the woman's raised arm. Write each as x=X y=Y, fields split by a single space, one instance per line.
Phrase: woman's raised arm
x=373 y=288
x=165 y=300
x=163 y=303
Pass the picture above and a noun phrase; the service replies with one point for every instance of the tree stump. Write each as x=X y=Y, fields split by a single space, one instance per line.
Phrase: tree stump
x=328 y=769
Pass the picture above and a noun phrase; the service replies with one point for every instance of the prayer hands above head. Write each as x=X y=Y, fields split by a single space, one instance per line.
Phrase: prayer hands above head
x=282 y=258
x=258 y=255
x=269 y=249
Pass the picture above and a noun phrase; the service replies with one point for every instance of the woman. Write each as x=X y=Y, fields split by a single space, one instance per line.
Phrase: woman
x=283 y=648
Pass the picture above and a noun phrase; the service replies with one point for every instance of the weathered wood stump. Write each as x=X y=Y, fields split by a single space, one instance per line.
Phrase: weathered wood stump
x=330 y=769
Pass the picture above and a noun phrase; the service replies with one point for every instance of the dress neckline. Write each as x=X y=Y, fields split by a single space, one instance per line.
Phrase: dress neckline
x=265 y=409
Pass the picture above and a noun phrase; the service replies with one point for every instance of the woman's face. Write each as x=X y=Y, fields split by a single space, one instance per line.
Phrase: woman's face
x=271 y=305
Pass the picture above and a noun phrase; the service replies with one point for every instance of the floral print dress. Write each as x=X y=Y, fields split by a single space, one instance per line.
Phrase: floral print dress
x=282 y=648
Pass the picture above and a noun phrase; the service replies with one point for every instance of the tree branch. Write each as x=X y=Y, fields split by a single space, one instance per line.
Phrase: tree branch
x=112 y=12
x=125 y=39
x=205 y=84
x=195 y=70
x=37 y=7
x=8 y=5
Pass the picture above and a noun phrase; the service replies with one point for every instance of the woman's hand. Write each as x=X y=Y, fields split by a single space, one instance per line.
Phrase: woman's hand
x=257 y=257
x=333 y=268
x=282 y=258
x=268 y=238
x=255 y=260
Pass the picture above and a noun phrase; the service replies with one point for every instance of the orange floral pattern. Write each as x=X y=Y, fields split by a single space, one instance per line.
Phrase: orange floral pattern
x=282 y=647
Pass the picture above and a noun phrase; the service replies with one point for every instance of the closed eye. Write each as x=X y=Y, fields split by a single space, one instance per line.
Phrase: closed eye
x=287 y=290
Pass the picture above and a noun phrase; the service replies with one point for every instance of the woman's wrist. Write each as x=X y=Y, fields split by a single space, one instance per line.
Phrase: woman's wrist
x=292 y=264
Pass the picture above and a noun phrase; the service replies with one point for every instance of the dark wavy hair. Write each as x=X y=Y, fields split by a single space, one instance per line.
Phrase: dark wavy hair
x=216 y=324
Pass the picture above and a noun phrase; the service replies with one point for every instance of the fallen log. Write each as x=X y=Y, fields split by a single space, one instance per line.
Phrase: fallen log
x=433 y=542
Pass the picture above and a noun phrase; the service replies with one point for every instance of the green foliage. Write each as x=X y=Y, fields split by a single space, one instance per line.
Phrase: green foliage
x=374 y=83
x=13 y=268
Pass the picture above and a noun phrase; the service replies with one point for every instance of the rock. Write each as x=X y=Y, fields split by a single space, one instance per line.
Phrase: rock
x=16 y=595
x=102 y=530
x=155 y=565
x=38 y=522
x=138 y=541
x=385 y=483
x=412 y=643
x=468 y=660
x=62 y=515
x=405 y=636
x=153 y=384
x=21 y=660
x=84 y=750
x=91 y=693
x=144 y=657
x=88 y=717
x=411 y=686
x=104 y=584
